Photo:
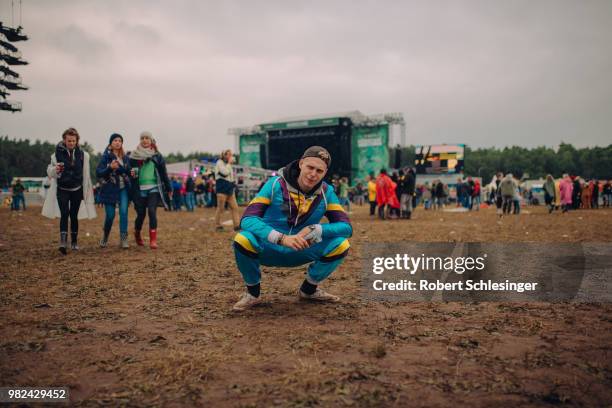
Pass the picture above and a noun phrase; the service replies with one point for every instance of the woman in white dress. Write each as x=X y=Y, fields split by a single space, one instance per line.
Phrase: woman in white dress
x=70 y=185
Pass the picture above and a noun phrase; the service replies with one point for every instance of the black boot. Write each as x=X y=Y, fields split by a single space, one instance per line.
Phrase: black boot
x=104 y=240
x=408 y=215
x=73 y=241
x=63 y=242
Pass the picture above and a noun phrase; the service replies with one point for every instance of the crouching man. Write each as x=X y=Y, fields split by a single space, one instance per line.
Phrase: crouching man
x=281 y=227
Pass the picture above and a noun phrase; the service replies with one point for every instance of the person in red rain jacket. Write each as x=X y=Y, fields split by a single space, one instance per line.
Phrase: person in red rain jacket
x=385 y=193
x=476 y=195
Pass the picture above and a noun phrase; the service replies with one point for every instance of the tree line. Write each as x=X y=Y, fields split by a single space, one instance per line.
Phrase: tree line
x=23 y=158
x=587 y=162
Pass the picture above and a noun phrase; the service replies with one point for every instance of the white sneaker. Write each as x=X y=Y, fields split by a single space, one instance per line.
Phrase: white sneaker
x=319 y=295
x=246 y=302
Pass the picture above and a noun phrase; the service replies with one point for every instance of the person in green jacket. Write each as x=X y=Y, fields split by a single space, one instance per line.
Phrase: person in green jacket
x=150 y=186
x=343 y=194
x=18 y=196
x=550 y=193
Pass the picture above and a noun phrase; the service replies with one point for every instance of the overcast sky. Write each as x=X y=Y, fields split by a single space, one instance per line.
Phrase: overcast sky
x=485 y=73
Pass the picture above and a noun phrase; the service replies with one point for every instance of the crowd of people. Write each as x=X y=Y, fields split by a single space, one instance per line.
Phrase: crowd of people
x=392 y=196
x=190 y=192
x=566 y=193
x=573 y=192
x=199 y=191
x=397 y=195
x=281 y=225
x=139 y=177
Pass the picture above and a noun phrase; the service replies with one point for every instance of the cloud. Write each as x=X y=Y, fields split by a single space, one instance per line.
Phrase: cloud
x=80 y=45
x=141 y=34
x=477 y=72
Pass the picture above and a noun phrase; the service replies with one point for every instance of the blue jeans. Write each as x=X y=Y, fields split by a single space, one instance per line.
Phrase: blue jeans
x=476 y=202
x=517 y=206
x=208 y=198
x=190 y=201
x=200 y=200
x=176 y=198
x=109 y=209
x=345 y=202
x=19 y=198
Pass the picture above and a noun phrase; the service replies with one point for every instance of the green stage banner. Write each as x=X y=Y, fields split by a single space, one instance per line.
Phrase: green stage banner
x=302 y=124
x=369 y=151
x=249 y=149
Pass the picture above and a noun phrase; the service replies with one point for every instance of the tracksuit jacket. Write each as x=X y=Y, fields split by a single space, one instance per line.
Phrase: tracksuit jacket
x=280 y=206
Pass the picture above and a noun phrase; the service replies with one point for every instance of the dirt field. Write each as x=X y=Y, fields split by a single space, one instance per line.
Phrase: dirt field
x=153 y=328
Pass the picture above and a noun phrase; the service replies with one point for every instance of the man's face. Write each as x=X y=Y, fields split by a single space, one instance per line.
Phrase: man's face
x=312 y=171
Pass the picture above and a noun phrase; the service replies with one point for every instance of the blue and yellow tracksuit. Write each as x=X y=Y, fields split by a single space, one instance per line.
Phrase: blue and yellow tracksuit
x=280 y=206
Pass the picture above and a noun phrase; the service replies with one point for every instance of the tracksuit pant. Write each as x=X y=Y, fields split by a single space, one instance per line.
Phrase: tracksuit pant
x=324 y=257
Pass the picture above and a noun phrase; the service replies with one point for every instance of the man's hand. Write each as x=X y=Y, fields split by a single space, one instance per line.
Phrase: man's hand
x=305 y=231
x=296 y=242
x=311 y=234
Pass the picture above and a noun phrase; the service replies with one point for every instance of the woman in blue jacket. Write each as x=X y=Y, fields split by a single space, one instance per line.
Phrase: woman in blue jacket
x=113 y=171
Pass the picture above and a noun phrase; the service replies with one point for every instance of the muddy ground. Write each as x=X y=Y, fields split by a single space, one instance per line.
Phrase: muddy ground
x=153 y=328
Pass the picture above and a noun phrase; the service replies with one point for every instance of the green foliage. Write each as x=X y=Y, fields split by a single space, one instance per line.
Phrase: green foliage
x=22 y=158
x=94 y=158
x=588 y=162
